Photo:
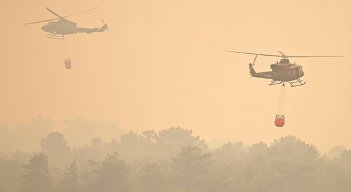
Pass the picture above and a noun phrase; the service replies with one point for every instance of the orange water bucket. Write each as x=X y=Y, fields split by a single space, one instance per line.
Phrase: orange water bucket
x=68 y=64
x=279 y=120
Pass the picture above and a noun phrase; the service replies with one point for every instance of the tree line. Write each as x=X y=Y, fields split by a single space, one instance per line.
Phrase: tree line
x=174 y=160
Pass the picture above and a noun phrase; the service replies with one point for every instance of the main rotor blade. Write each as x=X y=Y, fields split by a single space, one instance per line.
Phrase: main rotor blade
x=51 y=11
x=59 y=16
x=47 y=20
x=285 y=56
x=314 y=56
x=80 y=12
x=255 y=53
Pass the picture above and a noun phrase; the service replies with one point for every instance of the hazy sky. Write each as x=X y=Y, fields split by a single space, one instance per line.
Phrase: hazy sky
x=163 y=64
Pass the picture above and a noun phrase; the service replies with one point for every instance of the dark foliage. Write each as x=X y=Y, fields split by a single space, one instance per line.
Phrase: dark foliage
x=173 y=160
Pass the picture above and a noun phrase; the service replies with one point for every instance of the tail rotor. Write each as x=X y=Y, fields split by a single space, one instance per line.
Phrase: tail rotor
x=105 y=25
x=254 y=60
x=252 y=70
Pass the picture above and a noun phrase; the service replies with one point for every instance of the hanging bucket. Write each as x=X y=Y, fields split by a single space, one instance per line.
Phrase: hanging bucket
x=279 y=120
x=68 y=64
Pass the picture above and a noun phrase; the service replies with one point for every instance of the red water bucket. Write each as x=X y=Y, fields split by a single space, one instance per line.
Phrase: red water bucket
x=279 y=120
x=68 y=64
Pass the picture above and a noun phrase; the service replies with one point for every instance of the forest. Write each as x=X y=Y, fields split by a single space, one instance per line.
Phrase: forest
x=171 y=160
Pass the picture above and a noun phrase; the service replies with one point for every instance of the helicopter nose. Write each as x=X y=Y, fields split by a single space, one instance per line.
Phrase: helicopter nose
x=45 y=28
x=301 y=72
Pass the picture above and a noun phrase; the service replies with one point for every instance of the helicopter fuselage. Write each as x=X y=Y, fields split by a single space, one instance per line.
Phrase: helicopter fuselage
x=64 y=27
x=286 y=71
x=282 y=71
x=61 y=27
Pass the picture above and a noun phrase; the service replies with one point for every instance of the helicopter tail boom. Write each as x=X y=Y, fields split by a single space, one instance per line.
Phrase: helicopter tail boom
x=264 y=75
x=92 y=30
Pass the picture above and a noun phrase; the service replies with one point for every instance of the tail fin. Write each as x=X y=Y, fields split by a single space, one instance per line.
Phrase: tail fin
x=104 y=27
x=252 y=70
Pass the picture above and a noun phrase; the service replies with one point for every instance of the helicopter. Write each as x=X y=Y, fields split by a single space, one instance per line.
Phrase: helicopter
x=59 y=27
x=282 y=71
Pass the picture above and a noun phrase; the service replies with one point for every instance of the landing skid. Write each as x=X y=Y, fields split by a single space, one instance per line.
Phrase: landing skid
x=296 y=83
x=276 y=82
x=55 y=36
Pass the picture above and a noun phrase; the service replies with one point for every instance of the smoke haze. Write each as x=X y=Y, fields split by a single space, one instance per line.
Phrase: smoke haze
x=157 y=96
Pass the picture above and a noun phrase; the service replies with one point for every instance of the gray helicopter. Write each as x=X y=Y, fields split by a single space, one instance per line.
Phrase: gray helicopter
x=282 y=71
x=59 y=27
